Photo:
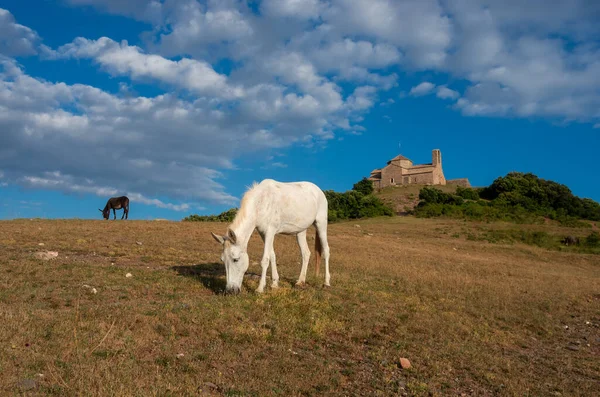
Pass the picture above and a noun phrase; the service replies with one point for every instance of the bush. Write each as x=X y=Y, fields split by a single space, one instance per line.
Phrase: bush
x=226 y=216
x=593 y=240
x=363 y=186
x=467 y=193
x=540 y=196
x=431 y=195
x=517 y=197
x=354 y=204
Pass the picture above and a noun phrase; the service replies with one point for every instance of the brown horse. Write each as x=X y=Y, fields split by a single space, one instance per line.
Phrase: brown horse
x=116 y=203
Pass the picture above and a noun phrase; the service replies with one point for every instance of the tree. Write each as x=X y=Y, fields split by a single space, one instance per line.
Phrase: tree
x=363 y=186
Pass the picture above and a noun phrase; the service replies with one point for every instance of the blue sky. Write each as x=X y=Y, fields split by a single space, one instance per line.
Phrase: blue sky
x=183 y=104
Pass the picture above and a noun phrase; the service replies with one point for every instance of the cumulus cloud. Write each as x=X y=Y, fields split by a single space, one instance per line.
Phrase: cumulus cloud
x=418 y=27
x=16 y=39
x=358 y=41
x=302 y=71
x=123 y=59
x=422 y=89
x=192 y=27
x=149 y=146
x=527 y=72
x=444 y=92
x=300 y=9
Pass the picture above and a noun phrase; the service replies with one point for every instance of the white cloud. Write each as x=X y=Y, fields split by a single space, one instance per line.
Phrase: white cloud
x=123 y=59
x=178 y=144
x=66 y=183
x=101 y=139
x=195 y=26
x=276 y=164
x=301 y=72
x=359 y=41
x=346 y=53
x=300 y=9
x=362 y=98
x=444 y=92
x=422 y=89
x=418 y=27
x=524 y=72
x=16 y=39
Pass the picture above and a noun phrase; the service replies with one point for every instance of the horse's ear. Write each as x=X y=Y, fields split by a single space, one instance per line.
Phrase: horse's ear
x=99 y=210
x=231 y=235
x=220 y=239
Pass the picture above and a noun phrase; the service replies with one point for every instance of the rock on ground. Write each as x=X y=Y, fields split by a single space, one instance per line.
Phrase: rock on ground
x=46 y=255
x=404 y=363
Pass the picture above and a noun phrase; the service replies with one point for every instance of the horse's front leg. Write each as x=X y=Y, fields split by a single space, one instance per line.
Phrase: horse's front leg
x=274 y=273
x=264 y=263
x=115 y=214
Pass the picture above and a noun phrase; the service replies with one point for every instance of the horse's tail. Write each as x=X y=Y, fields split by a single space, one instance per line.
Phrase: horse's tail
x=318 y=251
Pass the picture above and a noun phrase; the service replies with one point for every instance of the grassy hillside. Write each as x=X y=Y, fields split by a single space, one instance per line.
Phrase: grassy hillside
x=403 y=198
x=473 y=317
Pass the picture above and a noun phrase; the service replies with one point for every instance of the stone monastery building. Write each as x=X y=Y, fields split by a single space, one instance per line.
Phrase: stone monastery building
x=401 y=171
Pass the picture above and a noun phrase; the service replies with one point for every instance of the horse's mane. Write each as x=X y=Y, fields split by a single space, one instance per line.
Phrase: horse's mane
x=243 y=211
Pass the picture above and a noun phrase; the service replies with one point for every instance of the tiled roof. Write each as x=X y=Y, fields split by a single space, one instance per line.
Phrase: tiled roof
x=401 y=157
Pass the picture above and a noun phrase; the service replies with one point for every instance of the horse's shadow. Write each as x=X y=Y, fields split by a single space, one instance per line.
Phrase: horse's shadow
x=211 y=275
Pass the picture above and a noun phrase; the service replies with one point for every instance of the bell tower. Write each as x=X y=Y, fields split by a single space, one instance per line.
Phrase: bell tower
x=436 y=158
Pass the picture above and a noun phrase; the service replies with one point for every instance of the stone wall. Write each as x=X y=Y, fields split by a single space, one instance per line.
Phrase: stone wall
x=463 y=182
x=391 y=175
x=438 y=176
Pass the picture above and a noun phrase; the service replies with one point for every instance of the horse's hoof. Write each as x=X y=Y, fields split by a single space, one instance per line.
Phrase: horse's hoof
x=275 y=285
x=300 y=284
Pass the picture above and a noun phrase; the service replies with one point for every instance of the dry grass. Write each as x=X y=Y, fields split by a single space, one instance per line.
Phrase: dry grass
x=474 y=318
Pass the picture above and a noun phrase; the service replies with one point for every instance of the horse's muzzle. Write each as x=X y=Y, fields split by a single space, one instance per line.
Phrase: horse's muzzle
x=232 y=290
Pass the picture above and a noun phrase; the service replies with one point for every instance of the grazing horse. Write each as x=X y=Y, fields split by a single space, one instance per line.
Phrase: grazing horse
x=272 y=208
x=116 y=203
x=570 y=240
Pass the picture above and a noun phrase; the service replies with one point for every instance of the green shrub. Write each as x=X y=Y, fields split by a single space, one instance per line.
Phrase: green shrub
x=467 y=193
x=363 y=186
x=353 y=204
x=226 y=216
x=517 y=197
x=593 y=240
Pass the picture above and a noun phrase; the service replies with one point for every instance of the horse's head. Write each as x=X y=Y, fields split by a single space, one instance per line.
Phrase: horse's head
x=105 y=214
x=236 y=261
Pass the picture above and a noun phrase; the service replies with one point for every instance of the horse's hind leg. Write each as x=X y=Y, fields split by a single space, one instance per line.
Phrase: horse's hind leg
x=305 y=251
x=321 y=226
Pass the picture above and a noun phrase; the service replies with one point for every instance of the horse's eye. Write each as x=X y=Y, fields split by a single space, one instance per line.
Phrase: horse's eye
x=236 y=259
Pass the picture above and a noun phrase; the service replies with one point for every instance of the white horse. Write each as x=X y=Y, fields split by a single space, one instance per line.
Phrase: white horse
x=272 y=208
